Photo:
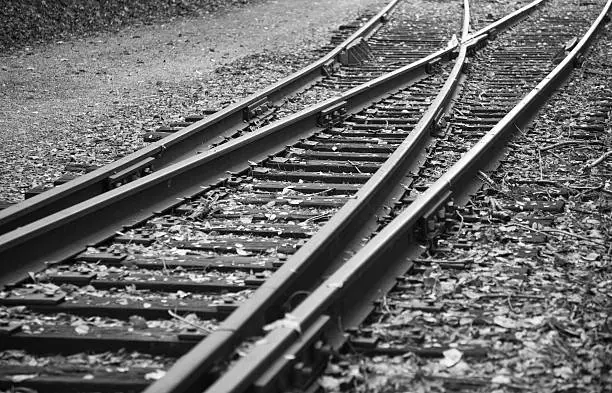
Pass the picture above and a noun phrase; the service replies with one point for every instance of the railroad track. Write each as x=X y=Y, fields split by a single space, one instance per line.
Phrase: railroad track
x=457 y=316
x=386 y=42
x=333 y=313
x=247 y=248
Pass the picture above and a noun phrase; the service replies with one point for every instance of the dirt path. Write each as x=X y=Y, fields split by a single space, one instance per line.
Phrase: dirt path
x=89 y=100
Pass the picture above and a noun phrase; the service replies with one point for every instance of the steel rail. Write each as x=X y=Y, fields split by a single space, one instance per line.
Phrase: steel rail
x=322 y=314
x=27 y=248
x=238 y=378
x=66 y=233
x=310 y=260
x=182 y=144
x=305 y=267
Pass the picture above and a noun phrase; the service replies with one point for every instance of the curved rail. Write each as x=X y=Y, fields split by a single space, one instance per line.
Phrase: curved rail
x=239 y=378
x=383 y=257
x=67 y=232
x=182 y=144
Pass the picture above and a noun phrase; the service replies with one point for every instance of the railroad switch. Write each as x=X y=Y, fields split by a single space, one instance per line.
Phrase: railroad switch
x=432 y=65
x=131 y=173
x=435 y=221
x=301 y=364
x=256 y=109
x=357 y=52
x=332 y=115
x=478 y=43
x=330 y=68
x=32 y=192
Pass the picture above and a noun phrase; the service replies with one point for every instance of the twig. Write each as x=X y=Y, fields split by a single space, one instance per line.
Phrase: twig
x=386 y=306
x=540 y=164
x=549 y=231
x=559 y=144
x=510 y=304
x=460 y=224
x=511 y=295
x=486 y=178
x=165 y=268
x=317 y=217
x=464 y=261
x=355 y=165
x=584 y=211
x=518 y=128
x=323 y=192
x=405 y=187
x=599 y=187
x=195 y=325
x=598 y=161
x=459 y=111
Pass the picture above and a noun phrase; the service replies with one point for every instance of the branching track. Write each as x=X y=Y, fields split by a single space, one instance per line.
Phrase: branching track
x=203 y=280
x=395 y=43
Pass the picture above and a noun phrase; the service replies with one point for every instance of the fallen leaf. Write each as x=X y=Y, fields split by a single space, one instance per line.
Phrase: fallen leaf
x=81 y=329
x=330 y=383
x=22 y=377
x=564 y=372
x=501 y=379
x=451 y=357
x=242 y=252
x=288 y=322
x=593 y=256
x=505 y=322
x=155 y=375
x=138 y=322
x=535 y=321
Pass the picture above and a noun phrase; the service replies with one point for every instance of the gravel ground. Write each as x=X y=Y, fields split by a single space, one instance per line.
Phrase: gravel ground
x=27 y=22
x=483 y=12
x=88 y=100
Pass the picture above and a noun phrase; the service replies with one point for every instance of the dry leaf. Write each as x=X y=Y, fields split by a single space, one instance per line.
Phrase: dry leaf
x=501 y=379
x=22 y=377
x=288 y=322
x=81 y=329
x=155 y=375
x=451 y=357
x=505 y=322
